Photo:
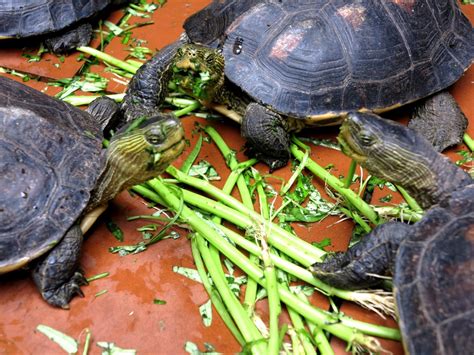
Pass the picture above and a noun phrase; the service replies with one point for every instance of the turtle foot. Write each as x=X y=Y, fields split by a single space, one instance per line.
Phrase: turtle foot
x=360 y=266
x=65 y=42
x=440 y=120
x=57 y=276
x=61 y=296
x=267 y=136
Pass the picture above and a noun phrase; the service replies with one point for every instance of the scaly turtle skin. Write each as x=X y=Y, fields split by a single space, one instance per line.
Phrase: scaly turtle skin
x=63 y=21
x=432 y=261
x=288 y=64
x=53 y=171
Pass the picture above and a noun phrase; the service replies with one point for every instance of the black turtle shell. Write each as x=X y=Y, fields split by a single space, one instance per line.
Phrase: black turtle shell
x=24 y=18
x=316 y=58
x=434 y=279
x=50 y=159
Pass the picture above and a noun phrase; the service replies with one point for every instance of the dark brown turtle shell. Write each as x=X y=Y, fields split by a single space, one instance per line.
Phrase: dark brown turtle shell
x=322 y=58
x=50 y=159
x=434 y=283
x=25 y=18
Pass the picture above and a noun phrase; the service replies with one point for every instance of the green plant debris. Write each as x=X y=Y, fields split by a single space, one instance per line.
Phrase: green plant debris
x=128 y=249
x=193 y=349
x=323 y=244
x=66 y=342
x=187 y=272
x=158 y=301
x=112 y=349
x=97 y=277
x=90 y=82
x=139 y=52
x=39 y=54
x=113 y=228
x=315 y=209
x=100 y=293
x=386 y=198
x=205 y=310
x=204 y=170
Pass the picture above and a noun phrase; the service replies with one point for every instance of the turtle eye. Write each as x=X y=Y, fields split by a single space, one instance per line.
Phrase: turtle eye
x=154 y=137
x=366 y=138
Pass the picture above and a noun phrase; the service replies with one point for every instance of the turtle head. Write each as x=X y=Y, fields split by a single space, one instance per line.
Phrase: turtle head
x=198 y=71
x=387 y=149
x=138 y=154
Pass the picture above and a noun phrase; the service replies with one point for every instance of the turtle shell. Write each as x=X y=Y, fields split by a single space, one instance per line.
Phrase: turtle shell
x=434 y=281
x=24 y=18
x=322 y=58
x=50 y=159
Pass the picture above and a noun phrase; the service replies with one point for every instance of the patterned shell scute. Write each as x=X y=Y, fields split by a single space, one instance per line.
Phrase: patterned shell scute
x=50 y=159
x=24 y=18
x=308 y=58
x=433 y=278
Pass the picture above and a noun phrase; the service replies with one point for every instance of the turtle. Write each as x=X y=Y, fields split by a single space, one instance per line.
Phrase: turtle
x=291 y=64
x=432 y=260
x=55 y=174
x=62 y=22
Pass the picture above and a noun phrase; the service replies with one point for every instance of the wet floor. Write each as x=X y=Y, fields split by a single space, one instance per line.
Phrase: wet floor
x=120 y=308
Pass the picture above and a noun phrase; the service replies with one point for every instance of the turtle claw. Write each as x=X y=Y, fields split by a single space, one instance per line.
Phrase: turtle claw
x=61 y=295
x=267 y=136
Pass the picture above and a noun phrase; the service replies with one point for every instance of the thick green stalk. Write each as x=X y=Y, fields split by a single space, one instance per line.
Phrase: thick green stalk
x=321 y=318
x=299 y=327
x=187 y=110
x=336 y=184
x=108 y=59
x=374 y=300
x=409 y=200
x=320 y=338
x=468 y=141
x=279 y=238
x=236 y=177
x=214 y=294
x=241 y=215
x=249 y=331
x=350 y=174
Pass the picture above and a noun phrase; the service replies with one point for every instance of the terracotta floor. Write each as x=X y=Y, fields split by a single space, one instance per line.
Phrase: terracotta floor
x=126 y=314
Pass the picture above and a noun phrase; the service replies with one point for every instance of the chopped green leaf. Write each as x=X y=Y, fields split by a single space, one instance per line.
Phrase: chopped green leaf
x=187 y=272
x=115 y=230
x=66 y=342
x=386 y=198
x=205 y=310
x=204 y=170
x=326 y=242
x=158 y=301
x=112 y=349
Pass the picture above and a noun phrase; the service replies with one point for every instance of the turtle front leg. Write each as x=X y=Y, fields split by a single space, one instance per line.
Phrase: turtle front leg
x=439 y=119
x=267 y=135
x=149 y=86
x=57 y=276
x=67 y=41
x=359 y=267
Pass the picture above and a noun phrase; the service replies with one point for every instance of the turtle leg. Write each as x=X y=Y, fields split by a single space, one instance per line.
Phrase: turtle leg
x=107 y=113
x=359 y=267
x=439 y=119
x=67 y=41
x=149 y=86
x=57 y=276
x=267 y=135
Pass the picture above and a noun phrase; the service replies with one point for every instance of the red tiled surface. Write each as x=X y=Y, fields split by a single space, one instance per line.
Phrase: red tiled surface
x=126 y=314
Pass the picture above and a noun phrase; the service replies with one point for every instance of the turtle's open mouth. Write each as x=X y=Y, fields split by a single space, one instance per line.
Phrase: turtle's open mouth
x=349 y=143
x=192 y=82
